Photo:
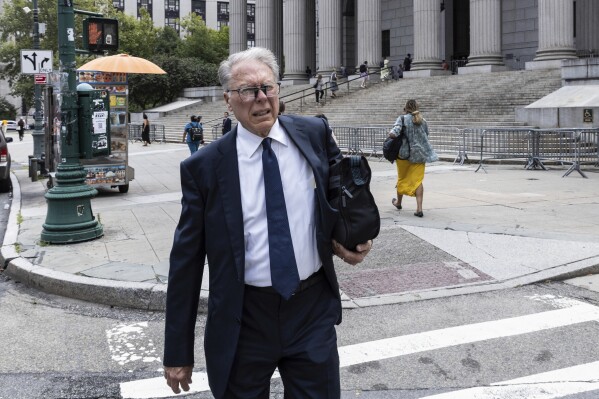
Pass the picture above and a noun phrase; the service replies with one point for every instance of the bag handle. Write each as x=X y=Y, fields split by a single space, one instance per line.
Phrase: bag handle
x=356 y=170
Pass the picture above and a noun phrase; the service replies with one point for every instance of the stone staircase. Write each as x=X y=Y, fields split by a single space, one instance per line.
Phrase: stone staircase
x=486 y=100
x=212 y=115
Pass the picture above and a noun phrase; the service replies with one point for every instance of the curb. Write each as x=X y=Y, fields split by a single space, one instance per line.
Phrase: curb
x=145 y=296
x=152 y=296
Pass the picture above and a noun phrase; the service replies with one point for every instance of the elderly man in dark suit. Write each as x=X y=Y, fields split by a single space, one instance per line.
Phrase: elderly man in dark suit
x=226 y=123
x=254 y=203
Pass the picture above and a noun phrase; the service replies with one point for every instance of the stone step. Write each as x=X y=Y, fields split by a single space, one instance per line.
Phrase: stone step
x=487 y=100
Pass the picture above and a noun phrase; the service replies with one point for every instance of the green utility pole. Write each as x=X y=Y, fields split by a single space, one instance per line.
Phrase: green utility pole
x=38 y=134
x=70 y=218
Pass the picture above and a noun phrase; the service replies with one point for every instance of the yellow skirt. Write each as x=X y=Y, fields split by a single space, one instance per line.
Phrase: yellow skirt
x=409 y=176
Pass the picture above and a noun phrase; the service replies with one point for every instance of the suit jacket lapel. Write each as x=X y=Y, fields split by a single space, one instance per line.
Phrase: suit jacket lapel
x=227 y=173
x=295 y=128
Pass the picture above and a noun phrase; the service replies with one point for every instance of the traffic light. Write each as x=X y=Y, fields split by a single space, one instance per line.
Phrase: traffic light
x=100 y=34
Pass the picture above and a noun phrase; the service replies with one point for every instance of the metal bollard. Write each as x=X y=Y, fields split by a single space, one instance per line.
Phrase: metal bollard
x=33 y=167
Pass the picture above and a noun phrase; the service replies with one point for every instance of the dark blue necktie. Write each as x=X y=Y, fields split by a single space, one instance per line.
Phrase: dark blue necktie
x=283 y=268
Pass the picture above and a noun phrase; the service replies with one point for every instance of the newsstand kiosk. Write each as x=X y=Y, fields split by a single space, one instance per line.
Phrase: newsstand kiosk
x=103 y=129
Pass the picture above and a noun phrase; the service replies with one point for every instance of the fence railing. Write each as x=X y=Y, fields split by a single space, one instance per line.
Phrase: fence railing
x=534 y=147
x=156 y=132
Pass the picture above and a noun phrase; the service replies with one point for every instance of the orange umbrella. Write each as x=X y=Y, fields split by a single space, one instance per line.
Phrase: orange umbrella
x=122 y=63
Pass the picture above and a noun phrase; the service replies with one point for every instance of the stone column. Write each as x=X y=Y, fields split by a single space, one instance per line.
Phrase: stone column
x=294 y=40
x=278 y=32
x=329 y=40
x=427 y=49
x=268 y=26
x=369 y=32
x=587 y=28
x=310 y=37
x=485 y=38
x=556 y=27
x=237 y=26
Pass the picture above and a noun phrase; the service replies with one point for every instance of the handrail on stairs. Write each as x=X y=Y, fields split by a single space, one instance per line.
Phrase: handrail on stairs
x=326 y=88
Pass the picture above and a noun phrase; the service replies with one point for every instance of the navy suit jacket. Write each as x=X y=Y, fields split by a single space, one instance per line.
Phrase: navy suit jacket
x=226 y=125
x=211 y=225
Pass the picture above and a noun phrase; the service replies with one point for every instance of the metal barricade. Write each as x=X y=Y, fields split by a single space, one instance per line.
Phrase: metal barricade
x=505 y=144
x=533 y=146
x=345 y=136
x=556 y=145
x=157 y=133
x=447 y=140
x=135 y=132
x=378 y=138
x=575 y=146
x=215 y=133
x=369 y=140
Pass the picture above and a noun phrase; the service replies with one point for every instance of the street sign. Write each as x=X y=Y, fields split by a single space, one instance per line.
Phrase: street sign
x=41 y=78
x=36 y=61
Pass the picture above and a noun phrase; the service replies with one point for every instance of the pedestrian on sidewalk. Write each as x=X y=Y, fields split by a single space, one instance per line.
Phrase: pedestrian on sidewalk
x=364 y=74
x=334 y=87
x=145 y=131
x=385 y=70
x=226 y=123
x=318 y=91
x=415 y=151
x=21 y=125
x=192 y=134
x=407 y=62
x=255 y=204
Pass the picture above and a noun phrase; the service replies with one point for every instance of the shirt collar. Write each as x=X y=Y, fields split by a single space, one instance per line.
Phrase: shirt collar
x=249 y=143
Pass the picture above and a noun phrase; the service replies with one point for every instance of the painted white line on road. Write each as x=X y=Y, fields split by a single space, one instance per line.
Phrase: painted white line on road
x=578 y=312
x=437 y=339
x=549 y=385
x=157 y=388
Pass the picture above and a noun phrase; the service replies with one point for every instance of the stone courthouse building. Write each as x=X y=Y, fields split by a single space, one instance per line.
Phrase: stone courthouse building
x=485 y=35
x=489 y=34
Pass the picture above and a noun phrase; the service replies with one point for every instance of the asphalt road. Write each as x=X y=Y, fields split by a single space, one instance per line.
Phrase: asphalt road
x=52 y=347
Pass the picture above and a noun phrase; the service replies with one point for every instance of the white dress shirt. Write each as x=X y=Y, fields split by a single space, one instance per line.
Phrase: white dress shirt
x=298 y=188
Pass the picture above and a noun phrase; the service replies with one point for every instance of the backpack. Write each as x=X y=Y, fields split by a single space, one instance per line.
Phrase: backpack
x=197 y=133
x=349 y=193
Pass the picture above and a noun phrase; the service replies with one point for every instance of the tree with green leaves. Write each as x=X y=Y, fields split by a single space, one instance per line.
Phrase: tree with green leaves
x=7 y=110
x=148 y=91
x=211 y=46
x=189 y=62
x=16 y=33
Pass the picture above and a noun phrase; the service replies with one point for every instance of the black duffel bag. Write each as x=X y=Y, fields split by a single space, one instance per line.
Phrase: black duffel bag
x=349 y=193
x=391 y=145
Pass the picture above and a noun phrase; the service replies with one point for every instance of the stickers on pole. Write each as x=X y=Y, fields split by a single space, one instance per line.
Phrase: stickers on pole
x=99 y=121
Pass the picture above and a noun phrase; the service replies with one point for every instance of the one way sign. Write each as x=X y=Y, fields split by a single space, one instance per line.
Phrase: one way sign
x=36 y=61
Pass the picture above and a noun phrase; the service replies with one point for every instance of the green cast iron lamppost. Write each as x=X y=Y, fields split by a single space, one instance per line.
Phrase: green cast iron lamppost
x=69 y=218
x=38 y=134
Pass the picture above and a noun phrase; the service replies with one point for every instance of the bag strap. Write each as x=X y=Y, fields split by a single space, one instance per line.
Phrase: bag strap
x=356 y=170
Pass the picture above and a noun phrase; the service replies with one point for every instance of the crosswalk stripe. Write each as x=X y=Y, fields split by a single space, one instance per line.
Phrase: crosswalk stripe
x=550 y=385
x=157 y=388
x=576 y=312
x=408 y=344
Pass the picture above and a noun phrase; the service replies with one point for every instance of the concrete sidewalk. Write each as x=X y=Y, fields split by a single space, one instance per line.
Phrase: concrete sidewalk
x=480 y=232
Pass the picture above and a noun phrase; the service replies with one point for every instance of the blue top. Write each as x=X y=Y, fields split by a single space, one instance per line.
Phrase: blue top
x=189 y=126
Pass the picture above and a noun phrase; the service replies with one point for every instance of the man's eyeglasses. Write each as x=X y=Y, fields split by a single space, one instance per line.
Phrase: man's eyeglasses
x=251 y=93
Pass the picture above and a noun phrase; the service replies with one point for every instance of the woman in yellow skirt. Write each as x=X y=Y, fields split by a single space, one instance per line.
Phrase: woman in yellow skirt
x=415 y=151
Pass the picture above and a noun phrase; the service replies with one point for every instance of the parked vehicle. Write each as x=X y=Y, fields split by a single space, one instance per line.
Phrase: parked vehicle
x=11 y=125
x=4 y=163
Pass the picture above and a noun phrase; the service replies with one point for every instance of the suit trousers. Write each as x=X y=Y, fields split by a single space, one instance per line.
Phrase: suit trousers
x=298 y=336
